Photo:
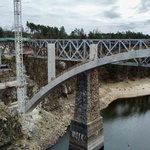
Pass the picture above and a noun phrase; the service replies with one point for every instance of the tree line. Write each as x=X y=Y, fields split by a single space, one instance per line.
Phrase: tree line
x=37 y=31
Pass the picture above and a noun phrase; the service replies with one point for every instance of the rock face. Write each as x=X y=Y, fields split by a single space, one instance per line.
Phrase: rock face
x=10 y=127
x=55 y=111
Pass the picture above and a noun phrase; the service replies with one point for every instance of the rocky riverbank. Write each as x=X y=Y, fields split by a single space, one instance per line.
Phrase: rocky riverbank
x=126 y=89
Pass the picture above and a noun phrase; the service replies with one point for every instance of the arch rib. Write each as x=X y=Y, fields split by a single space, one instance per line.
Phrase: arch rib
x=87 y=66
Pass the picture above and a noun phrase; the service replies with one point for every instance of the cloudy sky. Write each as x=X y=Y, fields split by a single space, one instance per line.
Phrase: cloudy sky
x=104 y=15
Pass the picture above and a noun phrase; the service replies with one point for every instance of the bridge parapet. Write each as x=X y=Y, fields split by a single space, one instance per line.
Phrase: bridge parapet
x=79 y=49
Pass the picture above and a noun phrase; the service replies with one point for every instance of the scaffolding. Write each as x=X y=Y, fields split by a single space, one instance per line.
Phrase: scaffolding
x=20 y=71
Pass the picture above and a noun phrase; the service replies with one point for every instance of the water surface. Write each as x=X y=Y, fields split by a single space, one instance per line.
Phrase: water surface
x=126 y=126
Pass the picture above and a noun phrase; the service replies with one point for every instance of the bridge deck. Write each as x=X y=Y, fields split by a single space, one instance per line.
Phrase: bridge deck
x=12 y=39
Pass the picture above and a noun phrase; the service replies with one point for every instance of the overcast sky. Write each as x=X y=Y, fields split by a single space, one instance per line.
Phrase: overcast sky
x=104 y=15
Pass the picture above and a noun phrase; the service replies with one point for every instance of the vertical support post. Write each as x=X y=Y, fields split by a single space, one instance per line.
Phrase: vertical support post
x=86 y=130
x=51 y=61
x=0 y=56
x=93 y=51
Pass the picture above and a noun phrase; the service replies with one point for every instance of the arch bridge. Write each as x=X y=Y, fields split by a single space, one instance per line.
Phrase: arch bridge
x=86 y=131
x=133 y=52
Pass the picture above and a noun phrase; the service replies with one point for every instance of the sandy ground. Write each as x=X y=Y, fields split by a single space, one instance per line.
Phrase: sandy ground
x=125 y=89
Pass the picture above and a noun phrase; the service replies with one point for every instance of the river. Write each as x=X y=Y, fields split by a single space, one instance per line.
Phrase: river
x=126 y=125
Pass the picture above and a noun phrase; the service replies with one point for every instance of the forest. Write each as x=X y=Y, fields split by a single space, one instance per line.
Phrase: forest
x=37 y=31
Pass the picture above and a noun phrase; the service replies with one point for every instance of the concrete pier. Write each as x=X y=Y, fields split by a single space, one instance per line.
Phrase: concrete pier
x=51 y=62
x=86 y=130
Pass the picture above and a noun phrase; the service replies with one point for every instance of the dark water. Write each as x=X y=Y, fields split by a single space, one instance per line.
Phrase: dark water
x=126 y=126
x=63 y=143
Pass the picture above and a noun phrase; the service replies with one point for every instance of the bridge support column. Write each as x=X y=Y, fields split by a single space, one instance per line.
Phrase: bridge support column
x=93 y=51
x=51 y=61
x=0 y=56
x=86 y=130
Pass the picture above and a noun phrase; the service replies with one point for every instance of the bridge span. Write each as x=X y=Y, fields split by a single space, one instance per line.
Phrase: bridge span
x=76 y=49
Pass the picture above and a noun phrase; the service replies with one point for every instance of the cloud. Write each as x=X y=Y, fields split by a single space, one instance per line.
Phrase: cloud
x=111 y=15
x=137 y=26
x=78 y=2
x=108 y=2
x=2 y=6
x=104 y=15
x=144 y=6
x=147 y=22
x=126 y=26
x=99 y=2
x=27 y=1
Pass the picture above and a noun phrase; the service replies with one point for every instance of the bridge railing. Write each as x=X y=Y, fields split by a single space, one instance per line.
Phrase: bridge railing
x=79 y=50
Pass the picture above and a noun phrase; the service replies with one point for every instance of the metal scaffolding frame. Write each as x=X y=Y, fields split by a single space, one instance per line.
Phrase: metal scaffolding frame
x=21 y=81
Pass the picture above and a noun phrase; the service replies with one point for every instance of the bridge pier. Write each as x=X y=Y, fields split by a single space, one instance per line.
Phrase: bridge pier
x=51 y=61
x=86 y=130
x=93 y=51
x=0 y=56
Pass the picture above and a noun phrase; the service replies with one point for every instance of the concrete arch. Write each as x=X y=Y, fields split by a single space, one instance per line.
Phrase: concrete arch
x=87 y=66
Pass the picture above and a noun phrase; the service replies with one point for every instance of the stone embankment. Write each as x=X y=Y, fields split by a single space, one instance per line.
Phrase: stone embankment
x=10 y=127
